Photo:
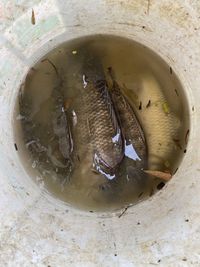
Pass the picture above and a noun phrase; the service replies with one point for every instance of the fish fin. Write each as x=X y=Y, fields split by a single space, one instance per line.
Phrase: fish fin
x=115 y=120
x=112 y=111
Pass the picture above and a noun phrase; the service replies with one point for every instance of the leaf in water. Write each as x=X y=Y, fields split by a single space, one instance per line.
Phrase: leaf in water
x=165 y=107
x=162 y=175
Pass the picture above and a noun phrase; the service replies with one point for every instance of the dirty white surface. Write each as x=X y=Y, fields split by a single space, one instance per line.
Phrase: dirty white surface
x=37 y=230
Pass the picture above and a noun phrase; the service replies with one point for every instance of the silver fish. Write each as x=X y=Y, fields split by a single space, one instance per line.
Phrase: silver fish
x=96 y=130
x=135 y=143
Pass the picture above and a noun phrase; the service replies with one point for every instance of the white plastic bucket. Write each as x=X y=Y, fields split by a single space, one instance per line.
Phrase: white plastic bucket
x=38 y=230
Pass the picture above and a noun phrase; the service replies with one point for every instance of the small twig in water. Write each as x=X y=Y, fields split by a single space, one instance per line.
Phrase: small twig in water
x=16 y=148
x=125 y=209
x=176 y=92
x=33 y=17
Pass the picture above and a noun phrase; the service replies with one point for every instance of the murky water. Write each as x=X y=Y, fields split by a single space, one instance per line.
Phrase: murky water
x=52 y=122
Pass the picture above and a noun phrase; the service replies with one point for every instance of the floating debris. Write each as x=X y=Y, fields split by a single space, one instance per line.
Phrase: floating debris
x=125 y=209
x=165 y=107
x=16 y=148
x=148 y=104
x=140 y=194
x=33 y=17
x=160 y=185
x=176 y=92
x=162 y=175
x=186 y=136
x=34 y=164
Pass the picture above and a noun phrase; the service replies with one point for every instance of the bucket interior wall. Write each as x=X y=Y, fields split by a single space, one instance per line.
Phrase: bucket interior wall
x=38 y=230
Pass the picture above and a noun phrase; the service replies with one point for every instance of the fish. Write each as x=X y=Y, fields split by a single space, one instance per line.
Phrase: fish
x=60 y=145
x=95 y=127
x=160 y=124
x=129 y=178
x=135 y=142
x=61 y=127
x=53 y=149
x=161 y=130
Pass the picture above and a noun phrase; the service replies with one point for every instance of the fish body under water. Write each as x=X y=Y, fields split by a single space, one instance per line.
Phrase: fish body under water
x=135 y=143
x=136 y=148
x=60 y=123
x=53 y=151
x=95 y=128
x=161 y=125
